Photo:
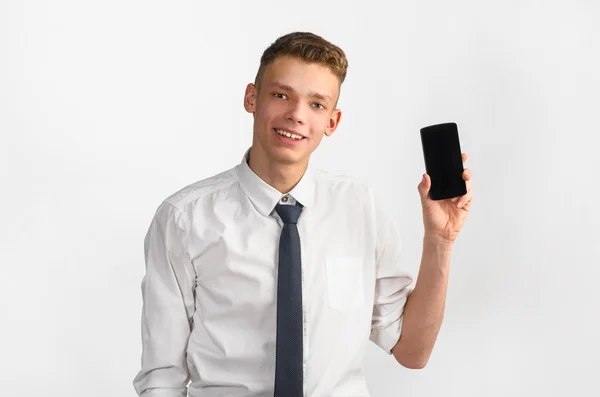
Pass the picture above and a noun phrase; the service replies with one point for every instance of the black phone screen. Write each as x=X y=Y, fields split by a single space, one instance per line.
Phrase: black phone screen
x=443 y=161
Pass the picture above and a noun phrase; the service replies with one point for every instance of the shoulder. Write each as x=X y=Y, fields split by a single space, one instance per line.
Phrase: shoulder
x=197 y=190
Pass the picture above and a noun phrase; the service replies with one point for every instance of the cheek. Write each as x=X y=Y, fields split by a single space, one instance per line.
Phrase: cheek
x=268 y=112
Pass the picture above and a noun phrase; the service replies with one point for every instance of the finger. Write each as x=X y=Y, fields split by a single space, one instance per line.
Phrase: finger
x=467 y=174
x=464 y=199
x=464 y=157
x=466 y=205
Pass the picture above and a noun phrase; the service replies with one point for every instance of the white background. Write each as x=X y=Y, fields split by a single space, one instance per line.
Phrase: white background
x=108 y=107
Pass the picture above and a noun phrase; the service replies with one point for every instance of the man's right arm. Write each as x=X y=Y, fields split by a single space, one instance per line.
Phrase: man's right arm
x=168 y=306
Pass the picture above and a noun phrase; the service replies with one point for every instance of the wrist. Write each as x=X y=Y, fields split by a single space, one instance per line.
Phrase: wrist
x=438 y=242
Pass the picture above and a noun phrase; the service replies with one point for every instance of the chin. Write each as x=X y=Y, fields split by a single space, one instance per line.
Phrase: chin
x=287 y=156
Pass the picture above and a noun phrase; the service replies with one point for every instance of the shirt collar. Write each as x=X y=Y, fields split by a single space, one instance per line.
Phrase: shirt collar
x=264 y=196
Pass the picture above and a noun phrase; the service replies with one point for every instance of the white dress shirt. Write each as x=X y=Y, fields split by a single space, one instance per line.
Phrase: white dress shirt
x=210 y=288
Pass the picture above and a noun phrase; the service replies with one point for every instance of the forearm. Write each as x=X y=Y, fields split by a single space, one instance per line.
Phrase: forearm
x=424 y=309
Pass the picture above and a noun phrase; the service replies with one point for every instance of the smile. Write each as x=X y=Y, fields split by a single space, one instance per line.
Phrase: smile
x=289 y=135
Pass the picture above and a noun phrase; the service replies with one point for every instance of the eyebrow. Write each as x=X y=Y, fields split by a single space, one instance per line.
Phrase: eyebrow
x=312 y=94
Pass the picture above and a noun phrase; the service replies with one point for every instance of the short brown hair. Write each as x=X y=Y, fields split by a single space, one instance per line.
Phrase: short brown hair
x=308 y=47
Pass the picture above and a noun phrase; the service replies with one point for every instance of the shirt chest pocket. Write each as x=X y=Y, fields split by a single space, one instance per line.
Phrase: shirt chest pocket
x=345 y=285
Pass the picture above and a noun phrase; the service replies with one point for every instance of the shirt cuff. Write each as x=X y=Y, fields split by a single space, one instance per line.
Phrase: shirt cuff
x=386 y=338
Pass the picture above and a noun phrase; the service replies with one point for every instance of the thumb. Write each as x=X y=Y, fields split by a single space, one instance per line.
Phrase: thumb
x=424 y=186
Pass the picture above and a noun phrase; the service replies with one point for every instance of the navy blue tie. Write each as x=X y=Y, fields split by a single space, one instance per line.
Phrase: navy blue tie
x=288 y=350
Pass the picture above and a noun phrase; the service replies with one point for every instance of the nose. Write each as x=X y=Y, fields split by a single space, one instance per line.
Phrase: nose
x=295 y=112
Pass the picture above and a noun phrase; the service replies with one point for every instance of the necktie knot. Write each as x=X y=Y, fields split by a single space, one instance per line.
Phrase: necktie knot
x=289 y=213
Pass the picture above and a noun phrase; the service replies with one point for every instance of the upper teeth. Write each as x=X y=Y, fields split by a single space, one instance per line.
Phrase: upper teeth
x=289 y=135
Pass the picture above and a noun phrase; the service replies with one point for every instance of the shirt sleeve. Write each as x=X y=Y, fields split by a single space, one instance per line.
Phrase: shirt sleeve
x=392 y=284
x=168 y=293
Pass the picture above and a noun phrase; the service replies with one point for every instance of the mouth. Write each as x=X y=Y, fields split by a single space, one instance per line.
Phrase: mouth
x=288 y=137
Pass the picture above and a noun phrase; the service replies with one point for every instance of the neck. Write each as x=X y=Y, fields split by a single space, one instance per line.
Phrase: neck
x=281 y=176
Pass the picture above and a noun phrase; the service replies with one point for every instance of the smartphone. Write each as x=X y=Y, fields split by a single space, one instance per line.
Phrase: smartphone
x=443 y=161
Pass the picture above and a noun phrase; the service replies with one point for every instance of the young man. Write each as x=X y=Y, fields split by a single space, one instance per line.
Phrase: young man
x=269 y=278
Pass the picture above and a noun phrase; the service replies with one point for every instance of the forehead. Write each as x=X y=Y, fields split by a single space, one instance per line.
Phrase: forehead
x=300 y=76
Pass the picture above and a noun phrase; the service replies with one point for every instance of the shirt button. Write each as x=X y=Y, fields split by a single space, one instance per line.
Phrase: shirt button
x=284 y=199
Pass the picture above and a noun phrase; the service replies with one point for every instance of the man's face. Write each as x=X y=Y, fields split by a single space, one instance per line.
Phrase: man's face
x=296 y=97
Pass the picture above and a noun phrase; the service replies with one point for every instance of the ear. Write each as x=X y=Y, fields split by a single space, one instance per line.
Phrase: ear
x=334 y=121
x=250 y=98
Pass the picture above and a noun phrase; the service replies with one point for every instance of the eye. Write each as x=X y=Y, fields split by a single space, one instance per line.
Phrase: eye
x=278 y=93
x=322 y=107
